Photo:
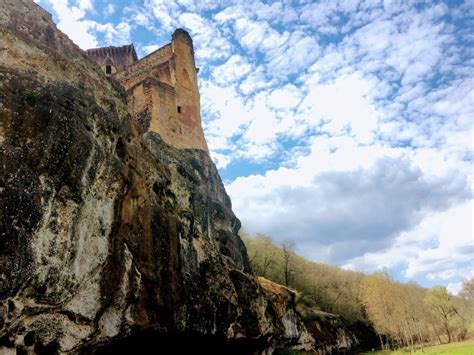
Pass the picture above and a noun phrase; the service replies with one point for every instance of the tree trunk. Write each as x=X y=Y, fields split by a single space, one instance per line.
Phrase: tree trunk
x=437 y=334
x=420 y=336
x=446 y=326
x=405 y=339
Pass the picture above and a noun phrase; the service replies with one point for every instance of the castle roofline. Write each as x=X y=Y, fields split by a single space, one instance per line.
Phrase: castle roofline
x=125 y=46
x=128 y=48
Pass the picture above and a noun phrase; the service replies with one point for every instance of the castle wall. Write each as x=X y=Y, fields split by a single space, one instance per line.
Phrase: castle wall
x=153 y=105
x=140 y=101
x=187 y=91
x=163 y=115
x=155 y=65
x=164 y=85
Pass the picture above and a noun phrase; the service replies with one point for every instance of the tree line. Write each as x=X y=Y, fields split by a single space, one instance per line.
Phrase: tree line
x=403 y=315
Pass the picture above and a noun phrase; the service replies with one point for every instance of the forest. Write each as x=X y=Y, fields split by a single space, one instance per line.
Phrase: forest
x=402 y=315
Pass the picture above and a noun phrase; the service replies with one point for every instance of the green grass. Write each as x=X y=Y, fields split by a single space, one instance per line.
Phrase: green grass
x=462 y=348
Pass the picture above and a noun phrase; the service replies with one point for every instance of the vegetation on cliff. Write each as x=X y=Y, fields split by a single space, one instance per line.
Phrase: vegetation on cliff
x=403 y=315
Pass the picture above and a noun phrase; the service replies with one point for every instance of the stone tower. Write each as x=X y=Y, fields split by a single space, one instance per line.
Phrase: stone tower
x=162 y=89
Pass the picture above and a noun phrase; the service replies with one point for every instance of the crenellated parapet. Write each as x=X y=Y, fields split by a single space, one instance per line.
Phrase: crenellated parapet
x=113 y=59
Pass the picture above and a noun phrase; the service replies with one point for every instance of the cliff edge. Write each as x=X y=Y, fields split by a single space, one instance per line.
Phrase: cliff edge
x=110 y=237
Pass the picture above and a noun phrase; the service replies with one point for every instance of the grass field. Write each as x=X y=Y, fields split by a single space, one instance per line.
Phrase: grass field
x=462 y=348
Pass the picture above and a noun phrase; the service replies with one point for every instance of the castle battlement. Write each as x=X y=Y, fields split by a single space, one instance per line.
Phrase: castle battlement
x=162 y=88
x=113 y=59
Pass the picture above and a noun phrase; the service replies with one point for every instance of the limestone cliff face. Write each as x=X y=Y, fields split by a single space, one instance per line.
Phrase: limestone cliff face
x=111 y=238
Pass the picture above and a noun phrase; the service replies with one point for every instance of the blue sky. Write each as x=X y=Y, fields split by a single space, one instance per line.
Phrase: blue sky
x=345 y=126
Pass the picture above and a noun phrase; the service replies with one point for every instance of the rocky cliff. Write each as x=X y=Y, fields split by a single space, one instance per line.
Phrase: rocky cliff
x=112 y=239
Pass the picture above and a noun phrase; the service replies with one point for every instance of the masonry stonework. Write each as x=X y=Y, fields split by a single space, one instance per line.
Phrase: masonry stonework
x=113 y=59
x=162 y=88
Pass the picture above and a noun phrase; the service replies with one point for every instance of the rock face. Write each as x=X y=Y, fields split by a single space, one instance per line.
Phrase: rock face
x=110 y=238
x=333 y=335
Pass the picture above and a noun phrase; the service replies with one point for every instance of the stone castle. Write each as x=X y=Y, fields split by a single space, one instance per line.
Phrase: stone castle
x=162 y=88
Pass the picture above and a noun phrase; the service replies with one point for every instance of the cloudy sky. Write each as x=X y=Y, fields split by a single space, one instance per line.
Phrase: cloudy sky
x=345 y=126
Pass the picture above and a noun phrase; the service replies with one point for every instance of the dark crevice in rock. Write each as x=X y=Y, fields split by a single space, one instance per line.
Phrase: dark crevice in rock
x=147 y=342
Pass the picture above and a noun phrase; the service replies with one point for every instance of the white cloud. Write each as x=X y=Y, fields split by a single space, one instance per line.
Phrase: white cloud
x=71 y=21
x=454 y=288
x=296 y=55
x=85 y=4
x=109 y=10
x=344 y=105
x=285 y=52
x=443 y=275
x=233 y=70
x=209 y=43
x=143 y=16
x=116 y=35
x=263 y=126
x=454 y=234
x=255 y=81
x=145 y=50
x=285 y=98
x=268 y=12
x=225 y=114
x=228 y=14
x=164 y=11
x=83 y=32
x=320 y=16
x=221 y=160
x=438 y=249
x=251 y=33
x=199 y=5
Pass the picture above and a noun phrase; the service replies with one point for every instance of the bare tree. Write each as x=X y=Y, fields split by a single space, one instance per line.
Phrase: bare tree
x=288 y=248
x=467 y=290
x=268 y=253
x=441 y=305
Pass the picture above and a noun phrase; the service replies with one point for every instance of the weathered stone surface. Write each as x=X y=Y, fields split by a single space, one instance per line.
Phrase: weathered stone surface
x=333 y=335
x=111 y=238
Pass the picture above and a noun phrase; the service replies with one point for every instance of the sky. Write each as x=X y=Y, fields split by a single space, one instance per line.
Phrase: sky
x=344 y=126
